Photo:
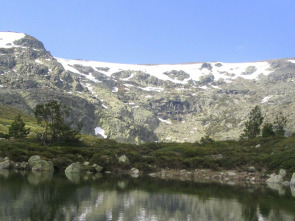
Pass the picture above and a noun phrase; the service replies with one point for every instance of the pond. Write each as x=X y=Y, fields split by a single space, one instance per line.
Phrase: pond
x=43 y=196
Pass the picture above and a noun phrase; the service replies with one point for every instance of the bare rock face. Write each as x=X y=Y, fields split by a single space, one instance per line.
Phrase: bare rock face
x=148 y=103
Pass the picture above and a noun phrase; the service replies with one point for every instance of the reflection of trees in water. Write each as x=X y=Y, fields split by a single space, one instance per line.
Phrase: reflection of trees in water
x=134 y=199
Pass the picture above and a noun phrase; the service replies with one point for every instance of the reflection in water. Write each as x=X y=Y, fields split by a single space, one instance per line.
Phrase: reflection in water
x=33 y=197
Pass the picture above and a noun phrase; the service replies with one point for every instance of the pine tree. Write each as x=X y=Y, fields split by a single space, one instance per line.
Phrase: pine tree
x=17 y=128
x=252 y=126
x=52 y=116
x=267 y=130
x=280 y=124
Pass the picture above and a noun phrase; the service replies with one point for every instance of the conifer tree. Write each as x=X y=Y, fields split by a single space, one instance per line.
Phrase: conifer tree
x=280 y=124
x=252 y=126
x=17 y=128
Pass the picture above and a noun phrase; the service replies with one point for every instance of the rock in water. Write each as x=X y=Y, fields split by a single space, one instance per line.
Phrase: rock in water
x=42 y=165
x=33 y=159
x=73 y=168
x=275 y=179
x=6 y=164
x=282 y=172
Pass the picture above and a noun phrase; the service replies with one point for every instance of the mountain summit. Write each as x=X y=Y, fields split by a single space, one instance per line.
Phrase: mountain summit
x=146 y=103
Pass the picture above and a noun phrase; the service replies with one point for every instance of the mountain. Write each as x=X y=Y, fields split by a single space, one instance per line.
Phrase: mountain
x=146 y=103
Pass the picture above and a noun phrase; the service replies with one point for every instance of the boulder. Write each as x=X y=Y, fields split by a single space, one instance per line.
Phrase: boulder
x=6 y=164
x=134 y=171
x=252 y=169
x=231 y=173
x=282 y=172
x=24 y=165
x=123 y=159
x=97 y=167
x=275 y=179
x=33 y=159
x=73 y=168
x=86 y=163
x=292 y=181
x=42 y=165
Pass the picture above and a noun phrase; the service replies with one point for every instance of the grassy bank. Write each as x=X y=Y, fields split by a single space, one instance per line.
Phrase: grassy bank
x=265 y=154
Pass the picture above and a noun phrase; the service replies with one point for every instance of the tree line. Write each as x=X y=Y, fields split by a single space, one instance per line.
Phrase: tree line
x=52 y=117
x=254 y=123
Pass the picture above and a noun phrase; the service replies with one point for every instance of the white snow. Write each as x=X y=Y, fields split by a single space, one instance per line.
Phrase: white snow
x=204 y=87
x=292 y=61
x=135 y=107
x=265 y=99
x=128 y=78
x=148 y=96
x=7 y=39
x=115 y=90
x=100 y=131
x=227 y=71
x=38 y=61
x=105 y=106
x=165 y=121
x=68 y=65
x=216 y=87
x=156 y=89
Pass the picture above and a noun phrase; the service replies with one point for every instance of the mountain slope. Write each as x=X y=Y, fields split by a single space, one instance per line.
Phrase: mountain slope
x=146 y=103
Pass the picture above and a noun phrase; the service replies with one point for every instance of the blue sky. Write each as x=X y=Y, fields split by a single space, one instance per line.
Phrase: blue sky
x=157 y=31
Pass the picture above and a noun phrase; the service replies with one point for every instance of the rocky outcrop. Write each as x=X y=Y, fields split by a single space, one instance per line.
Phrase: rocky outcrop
x=152 y=102
x=38 y=164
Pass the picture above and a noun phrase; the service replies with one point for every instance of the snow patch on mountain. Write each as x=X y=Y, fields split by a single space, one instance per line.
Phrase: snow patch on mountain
x=220 y=70
x=265 y=99
x=165 y=121
x=7 y=39
x=100 y=131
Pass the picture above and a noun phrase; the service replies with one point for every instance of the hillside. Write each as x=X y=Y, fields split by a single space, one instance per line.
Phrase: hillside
x=146 y=103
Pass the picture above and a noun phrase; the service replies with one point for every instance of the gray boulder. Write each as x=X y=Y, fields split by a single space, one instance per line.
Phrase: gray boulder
x=123 y=159
x=292 y=182
x=24 y=165
x=97 y=167
x=282 y=172
x=275 y=179
x=37 y=164
x=33 y=159
x=252 y=169
x=134 y=171
x=42 y=165
x=6 y=164
x=73 y=168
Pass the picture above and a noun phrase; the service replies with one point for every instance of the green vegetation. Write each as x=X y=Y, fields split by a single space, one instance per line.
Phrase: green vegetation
x=252 y=126
x=17 y=128
x=267 y=130
x=266 y=153
x=52 y=117
x=280 y=124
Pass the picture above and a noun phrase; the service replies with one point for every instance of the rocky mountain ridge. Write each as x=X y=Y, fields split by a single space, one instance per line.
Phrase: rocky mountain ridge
x=146 y=103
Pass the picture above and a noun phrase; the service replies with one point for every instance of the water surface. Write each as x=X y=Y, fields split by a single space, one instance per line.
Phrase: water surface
x=34 y=196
